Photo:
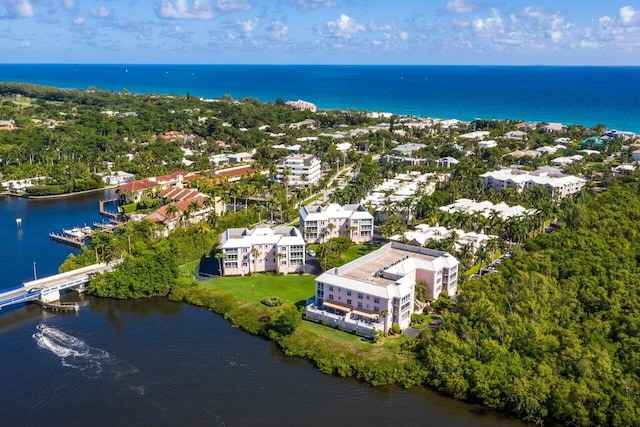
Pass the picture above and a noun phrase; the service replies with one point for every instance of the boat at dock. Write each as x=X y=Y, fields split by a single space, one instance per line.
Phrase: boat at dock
x=76 y=236
x=79 y=232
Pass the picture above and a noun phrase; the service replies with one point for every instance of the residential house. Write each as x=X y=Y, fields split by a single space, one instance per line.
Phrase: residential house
x=446 y=162
x=240 y=157
x=321 y=223
x=134 y=191
x=260 y=249
x=184 y=207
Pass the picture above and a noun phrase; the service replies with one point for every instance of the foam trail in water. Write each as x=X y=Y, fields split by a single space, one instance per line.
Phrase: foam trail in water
x=75 y=353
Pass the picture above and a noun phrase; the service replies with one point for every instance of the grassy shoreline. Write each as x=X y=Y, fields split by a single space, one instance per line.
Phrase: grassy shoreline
x=333 y=351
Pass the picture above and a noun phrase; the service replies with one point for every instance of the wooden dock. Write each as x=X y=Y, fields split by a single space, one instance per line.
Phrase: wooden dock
x=106 y=227
x=68 y=307
x=69 y=240
x=104 y=212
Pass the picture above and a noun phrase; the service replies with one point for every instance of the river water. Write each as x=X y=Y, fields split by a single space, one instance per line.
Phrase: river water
x=156 y=362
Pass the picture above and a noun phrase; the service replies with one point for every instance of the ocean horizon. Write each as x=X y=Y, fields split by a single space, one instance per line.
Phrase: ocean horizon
x=583 y=95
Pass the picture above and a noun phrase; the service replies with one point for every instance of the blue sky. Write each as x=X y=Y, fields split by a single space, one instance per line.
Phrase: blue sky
x=492 y=32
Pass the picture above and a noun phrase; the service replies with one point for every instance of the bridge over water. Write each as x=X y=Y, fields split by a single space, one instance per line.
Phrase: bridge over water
x=48 y=289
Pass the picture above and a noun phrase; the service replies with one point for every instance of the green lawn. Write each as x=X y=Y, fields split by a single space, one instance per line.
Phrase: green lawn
x=292 y=288
x=334 y=334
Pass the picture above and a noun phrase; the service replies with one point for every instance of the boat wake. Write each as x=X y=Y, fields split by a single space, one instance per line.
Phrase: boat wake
x=77 y=354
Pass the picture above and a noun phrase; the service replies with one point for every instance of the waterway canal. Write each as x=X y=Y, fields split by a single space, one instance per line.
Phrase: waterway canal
x=155 y=362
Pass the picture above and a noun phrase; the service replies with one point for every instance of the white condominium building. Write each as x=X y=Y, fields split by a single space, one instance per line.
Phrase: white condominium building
x=262 y=249
x=378 y=290
x=299 y=170
x=559 y=185
x=321 y=223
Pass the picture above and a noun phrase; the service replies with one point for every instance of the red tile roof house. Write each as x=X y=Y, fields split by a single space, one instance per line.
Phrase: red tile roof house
x=191 y=207
x=135 y=190
x=234 y=173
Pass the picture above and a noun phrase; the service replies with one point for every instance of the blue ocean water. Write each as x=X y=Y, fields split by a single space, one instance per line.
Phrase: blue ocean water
x=569 y=95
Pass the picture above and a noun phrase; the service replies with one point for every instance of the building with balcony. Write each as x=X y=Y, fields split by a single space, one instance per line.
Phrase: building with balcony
x=298 y=170
x=559 y=185
x=378 y=290
x=262 y=249
x=321 y=223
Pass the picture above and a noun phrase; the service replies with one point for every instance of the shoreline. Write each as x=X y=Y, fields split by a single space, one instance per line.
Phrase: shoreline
x=58 y=196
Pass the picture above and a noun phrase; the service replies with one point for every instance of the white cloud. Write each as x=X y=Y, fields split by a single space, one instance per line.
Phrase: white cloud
x=69 y=4
x=344 y=27
x=182 y=9
x=404 y=35
x=488 y=27
x=18 y=8
x=460 y=6
x=629 y=16
x=78 y=20
x=384 y=27
x=178 y=32
x=100 y=12
x=229 y=5
x=277 y=31
x=25 y=43
x=311 y=4
x=248 y=26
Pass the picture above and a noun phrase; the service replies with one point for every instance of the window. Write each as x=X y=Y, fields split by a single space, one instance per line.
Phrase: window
x=349 y=301
x=376 y=300
x=359 y=304
x=320 y=285
x=348 y=293
x=376 y=309
x=330 y=287
x=330 y=296
x=360 y=295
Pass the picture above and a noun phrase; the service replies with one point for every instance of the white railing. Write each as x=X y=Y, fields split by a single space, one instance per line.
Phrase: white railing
x=343 y=322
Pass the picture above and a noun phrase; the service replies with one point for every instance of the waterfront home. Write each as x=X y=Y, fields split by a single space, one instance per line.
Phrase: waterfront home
x=182 y=207
x=321 y=223
x=150 y=187
x=261 y=249
x=117 y=178
x=20 y=185
x=378 y=290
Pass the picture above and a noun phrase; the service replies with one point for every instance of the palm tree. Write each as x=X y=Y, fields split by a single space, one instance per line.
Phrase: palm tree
x=220 y=256
x=255 y=253
x=330 y=227
x=172 y=211
x=385 y=315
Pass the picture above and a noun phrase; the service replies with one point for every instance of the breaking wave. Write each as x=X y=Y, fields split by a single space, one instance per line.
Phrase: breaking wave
x=77 y=354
